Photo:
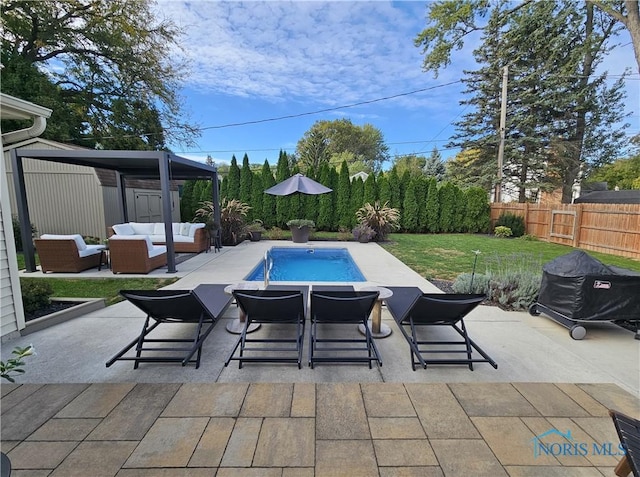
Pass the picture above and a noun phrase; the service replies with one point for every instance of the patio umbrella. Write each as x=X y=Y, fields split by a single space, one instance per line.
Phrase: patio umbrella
x=298 y=184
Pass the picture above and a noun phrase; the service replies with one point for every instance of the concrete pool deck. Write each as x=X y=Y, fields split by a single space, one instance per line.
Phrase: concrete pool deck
x=544 y=379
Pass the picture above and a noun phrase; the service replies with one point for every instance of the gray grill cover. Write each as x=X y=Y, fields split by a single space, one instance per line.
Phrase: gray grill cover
x=580 y=287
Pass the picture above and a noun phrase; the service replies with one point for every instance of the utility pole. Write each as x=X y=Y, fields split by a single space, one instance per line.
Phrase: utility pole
x=503 y=121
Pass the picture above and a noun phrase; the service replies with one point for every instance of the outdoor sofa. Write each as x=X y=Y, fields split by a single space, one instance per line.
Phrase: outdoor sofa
x=67 y=253
x=135 y=254
x=187 y=237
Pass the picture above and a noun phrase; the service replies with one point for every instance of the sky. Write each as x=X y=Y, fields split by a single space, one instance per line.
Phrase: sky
x=261 y=60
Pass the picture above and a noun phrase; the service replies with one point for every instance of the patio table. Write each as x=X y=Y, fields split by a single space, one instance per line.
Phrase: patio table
x=376 y=326
x=236 y=325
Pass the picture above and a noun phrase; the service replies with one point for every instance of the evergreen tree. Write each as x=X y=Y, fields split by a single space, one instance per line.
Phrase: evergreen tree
x=434 y=166
x=478 y=210
x=335 y=181
x=405 y=179
x=343 y=204
x=384 y=191
x=268 y=201
x=460 y=209
x=394 y=187
x=325 y=201
x=245 y=185
x=257 y=196
x=357 y=199
x=310 y=201
x=224 y=188
x=370 y=190
x=447 y=198
x=433 y=207
x=282 y=203
x=186 y=200
x=233 y=188
x=409 y=215
x=295 y=202
x=422 y=187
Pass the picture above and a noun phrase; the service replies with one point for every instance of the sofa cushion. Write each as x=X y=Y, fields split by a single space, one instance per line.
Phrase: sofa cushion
x=77 y=237
x=184 y=229
x=194 y=227
x=123 y=229
x=89 y=251
x=175 y=228
x=158 y=228
x=157 y=250
x=182 y=239
x=141 y=228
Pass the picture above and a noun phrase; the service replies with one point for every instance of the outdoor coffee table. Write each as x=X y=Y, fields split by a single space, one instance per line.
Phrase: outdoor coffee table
x=376 y=326
x=236 y=325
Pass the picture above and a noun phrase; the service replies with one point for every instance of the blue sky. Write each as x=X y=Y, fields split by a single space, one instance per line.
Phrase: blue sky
x=251 y=61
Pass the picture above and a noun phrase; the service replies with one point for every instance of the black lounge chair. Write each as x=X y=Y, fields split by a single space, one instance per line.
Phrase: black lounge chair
x=412 y=308
x=628 y=430
x=342 y=307
x=270 y=307
x=202 y=307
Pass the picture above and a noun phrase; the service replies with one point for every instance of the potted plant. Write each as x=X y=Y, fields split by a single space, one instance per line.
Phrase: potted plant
x=255 y=230
x=363 y=233
x=300 y=229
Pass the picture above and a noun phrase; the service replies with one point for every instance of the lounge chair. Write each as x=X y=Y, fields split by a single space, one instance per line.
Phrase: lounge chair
x=628 y=430
x=201 y=307
x=135 y=254
x=342 y=308
x=273 y=307
x=411 y=308
x=67 y=253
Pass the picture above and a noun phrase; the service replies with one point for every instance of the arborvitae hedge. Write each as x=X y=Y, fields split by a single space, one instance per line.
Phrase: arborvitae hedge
x=245 y=185
x=343 y=200
x=477 y=217
x=357 y=200
x=433 y=207
x=409 y=217
x=370 y=190
x=233 y=188
x=268 y=201
x=447 y=198
x=325 y=201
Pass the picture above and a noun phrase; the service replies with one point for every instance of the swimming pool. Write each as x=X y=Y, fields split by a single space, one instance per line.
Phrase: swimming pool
x=309 y=265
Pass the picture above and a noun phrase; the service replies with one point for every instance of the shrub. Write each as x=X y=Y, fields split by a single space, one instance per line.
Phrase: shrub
x=381 y=218
x=502 y=231
x=363 y=233
x=275 y=233
x=36 y=294
x=17 y=233
x=477 y=215
x=301 y=223
x=91 y=240
x=233 y=214
x=514 y=222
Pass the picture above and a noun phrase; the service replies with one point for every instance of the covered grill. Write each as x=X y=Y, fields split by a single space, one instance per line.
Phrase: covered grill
x=578 y=288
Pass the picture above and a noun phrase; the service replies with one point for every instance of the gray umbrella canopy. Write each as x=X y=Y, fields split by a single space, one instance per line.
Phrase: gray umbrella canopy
x=300 y=184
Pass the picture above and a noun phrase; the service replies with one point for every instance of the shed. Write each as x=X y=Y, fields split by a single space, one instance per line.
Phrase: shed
x=610 y=197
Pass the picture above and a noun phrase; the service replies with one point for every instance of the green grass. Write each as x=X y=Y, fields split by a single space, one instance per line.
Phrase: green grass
x=445 y=256
x=107 y=288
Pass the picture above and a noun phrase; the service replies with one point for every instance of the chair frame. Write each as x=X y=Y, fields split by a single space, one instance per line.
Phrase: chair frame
x=628 y=430
x=205 y=321
x=354 y=299
x=61 y=255
x=420 y=349
x=259 y=307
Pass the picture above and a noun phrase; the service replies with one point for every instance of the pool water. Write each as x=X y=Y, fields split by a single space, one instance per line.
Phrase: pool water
x=309 y=265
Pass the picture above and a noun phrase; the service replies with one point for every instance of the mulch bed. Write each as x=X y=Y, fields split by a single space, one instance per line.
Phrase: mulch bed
x=53 y=307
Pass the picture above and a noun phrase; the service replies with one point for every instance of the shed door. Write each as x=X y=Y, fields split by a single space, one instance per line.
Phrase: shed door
x=148 y=207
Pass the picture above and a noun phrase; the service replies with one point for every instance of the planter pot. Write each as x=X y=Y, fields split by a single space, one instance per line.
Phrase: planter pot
x=300 y=234
x=363 y=240
x=255 y=236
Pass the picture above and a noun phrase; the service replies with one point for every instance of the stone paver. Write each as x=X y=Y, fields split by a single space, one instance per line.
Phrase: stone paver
x=313 y=430
x=169 y=443
x=267 y=400
x=411 y=452
x=466 y=457
x=337 y=404
x=492 y=399
x=440 y=412
x=136 y=413
x=304 y=400
x=396 y=428
x=211 y=447
x=345 y=457
x=285 y=442
x=387 y=400
x=242 y=443
x=207 y=399
x=97 y=459
x=614 y=397
x=549 y=400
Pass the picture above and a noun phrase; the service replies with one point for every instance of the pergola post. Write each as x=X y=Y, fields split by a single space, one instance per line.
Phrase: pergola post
x=23 y=211
x=163 y=164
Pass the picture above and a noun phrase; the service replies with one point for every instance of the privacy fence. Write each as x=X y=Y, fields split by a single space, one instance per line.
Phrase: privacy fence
x=607 y=228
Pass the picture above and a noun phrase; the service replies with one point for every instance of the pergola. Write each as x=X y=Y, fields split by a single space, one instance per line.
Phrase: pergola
x=160 y=165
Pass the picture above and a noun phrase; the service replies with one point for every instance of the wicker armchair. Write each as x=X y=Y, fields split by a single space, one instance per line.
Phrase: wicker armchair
x=131 y=255
x=62 y=255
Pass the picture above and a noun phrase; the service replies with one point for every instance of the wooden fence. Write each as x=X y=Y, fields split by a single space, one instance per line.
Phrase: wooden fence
x=607 y=228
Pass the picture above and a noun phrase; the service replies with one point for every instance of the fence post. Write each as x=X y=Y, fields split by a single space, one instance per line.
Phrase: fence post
x=577 y=226
x=525 y=213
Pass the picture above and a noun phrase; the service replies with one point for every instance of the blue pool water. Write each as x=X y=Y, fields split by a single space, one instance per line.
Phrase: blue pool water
x=309 y=265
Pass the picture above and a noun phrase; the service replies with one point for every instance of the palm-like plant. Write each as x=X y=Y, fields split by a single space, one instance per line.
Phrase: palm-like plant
x=381 y=218
x=233 y=214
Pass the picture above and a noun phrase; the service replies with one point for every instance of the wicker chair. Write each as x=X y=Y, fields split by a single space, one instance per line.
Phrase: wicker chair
x=62 y=255
x=131 y=255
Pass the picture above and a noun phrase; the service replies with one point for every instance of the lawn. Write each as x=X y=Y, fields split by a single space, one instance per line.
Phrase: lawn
x=445 y=256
